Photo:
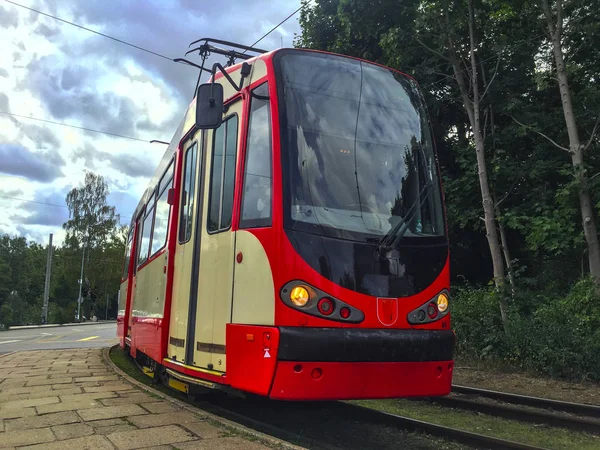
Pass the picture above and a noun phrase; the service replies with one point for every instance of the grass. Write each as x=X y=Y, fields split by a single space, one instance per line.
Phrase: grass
x=537 y=435
x=501 y=377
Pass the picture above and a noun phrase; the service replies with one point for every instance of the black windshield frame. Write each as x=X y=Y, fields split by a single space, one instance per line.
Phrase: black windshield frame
x=289 y=151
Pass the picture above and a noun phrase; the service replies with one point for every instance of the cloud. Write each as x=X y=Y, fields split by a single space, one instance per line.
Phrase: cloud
x=55 y=71
x=11 y=192
x=123 y=202
x=4 y=102
x=46 y=31
x=8 y=18
x=37 y=166
x=47 y=208
x=129 y=165
x=32 y=234
x=68 y=93
x=43 y=139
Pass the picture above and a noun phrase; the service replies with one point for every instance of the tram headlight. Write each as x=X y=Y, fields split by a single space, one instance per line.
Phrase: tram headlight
x=299 y=296
x=442 y=302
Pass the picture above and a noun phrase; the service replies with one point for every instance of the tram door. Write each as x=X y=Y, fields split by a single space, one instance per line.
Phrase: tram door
x=215 y=269
x=191 y=177
x=135 y=261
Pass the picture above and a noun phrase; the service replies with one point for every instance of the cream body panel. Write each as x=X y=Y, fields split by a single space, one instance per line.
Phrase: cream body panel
x=150 y=297
x=215 y=282
x=140 y=288
x=259 y=70
x=122 y=298
x=254 y=291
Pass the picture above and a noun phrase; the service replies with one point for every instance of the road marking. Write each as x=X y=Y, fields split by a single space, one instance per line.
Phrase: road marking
x=85 y=339
x=46 y=334
x=9 y=342
x=76 y=329
x=45 y=340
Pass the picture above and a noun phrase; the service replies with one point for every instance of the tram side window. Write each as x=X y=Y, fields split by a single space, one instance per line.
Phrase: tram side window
x=222 y=176
x=163 y=210
x=127 y=255
x=256 y=194
x=188 y=195
x=146 y=234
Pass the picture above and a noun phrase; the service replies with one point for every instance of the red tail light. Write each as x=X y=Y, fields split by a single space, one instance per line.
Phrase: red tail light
x=344 y=313
x=432 y=310
x=325 y=306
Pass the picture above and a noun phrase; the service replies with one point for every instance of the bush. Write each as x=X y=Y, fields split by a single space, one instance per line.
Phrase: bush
x=560 y=337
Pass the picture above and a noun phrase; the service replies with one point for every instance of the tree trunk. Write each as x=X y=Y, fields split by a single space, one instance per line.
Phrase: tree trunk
x=507 y=258
x=575 y=147
x=474 y=113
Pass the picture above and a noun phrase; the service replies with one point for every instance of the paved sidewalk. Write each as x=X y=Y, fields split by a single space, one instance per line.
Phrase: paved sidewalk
x=69 y=399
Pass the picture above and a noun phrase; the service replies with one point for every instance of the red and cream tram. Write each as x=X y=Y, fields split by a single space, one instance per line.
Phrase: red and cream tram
x=292 y=242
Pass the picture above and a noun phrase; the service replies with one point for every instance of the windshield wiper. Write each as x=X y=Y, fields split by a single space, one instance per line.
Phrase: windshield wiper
x=397 y=231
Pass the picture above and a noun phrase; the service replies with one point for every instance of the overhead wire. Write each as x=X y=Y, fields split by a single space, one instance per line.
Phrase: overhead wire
x=33 y=201
x=89 y=29
x=277 y=26
x=47 y=204
x=74 y=126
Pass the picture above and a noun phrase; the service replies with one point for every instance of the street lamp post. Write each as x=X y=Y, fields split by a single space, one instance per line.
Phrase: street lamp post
x=79 y=300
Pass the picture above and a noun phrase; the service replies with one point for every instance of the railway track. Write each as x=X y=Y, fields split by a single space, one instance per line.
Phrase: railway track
x=536 y=402
x=464 y=437
x=339 y=415
x=344 y=425
x=549 y=412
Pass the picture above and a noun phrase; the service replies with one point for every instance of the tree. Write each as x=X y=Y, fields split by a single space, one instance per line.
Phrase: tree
x=555 y=25
x=91 y=224
x=91 y=219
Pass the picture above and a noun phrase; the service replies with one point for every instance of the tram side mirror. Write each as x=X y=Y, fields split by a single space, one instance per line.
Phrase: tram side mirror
x=209 y=106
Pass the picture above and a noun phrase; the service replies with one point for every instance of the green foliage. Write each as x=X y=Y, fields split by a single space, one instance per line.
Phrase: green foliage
x=23 y=264
x=551 y=334
x=91 y=219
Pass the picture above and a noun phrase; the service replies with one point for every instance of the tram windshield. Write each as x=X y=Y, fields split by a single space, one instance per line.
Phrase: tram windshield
x=357 y=151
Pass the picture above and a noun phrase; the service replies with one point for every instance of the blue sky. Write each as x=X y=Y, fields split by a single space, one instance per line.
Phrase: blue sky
x=57 y=72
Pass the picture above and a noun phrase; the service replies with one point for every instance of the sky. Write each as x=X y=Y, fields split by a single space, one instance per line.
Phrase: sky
x=57 y=72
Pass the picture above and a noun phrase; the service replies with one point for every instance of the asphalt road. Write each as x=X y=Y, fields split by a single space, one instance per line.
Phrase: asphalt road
x=69 y=336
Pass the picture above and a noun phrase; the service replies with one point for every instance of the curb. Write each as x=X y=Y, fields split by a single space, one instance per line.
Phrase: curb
x=228 y=423
x=53 y=325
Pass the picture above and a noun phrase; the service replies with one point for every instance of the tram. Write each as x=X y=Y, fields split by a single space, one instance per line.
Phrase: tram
x=292 y=242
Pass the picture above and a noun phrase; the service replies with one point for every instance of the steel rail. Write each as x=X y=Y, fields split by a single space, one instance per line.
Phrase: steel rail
x=518 y=413
x=461 y=436
x=259 y=425
x=537 y=402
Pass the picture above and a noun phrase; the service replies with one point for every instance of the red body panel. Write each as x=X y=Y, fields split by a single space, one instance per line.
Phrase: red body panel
x=190 y=371
x=351 y=380
x=171 y=248
x=145 y=336
x=123 y=322
x=251 y=357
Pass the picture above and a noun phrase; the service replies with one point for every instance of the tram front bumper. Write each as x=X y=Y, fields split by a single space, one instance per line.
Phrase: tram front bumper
x=352 y=363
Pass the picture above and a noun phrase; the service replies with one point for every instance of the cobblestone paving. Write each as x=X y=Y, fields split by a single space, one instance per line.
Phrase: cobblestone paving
x=69 y=399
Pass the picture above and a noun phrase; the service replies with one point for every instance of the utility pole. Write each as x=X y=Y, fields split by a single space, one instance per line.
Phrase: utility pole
x=106 y=315
x=79 y=300
x=47 y=282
